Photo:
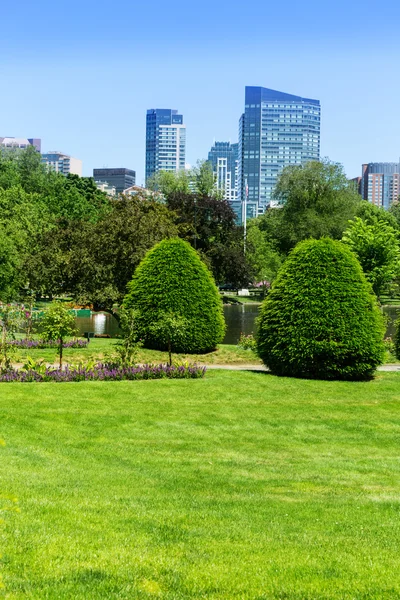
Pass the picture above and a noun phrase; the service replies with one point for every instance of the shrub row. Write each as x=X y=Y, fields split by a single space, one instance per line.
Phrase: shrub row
x=40 y=344
x=104 y=373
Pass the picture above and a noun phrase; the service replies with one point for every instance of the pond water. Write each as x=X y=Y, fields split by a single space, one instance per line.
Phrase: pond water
x=240 y=318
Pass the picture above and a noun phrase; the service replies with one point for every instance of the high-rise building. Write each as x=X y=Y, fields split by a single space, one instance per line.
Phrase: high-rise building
x=380 y=183
x=13 y=142
x=223 y=157
x=165 y=141
x=275 y=130
x=62 y=163
x=121 y=179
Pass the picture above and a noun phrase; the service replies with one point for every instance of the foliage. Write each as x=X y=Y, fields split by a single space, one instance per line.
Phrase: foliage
x=320 y=319
x=95 y=261
x=29 y=344
x=370 y=213
x=172 y=279
x=376 y=245
x=10 y=320
x=10 y=274
x=169 y=183
x=172 y=331
x=264 y=260
x=125 y=351
x=390 y=348
x=58 y=323
x=316 y=200
x=394 y=211
x=101 y=372
x=247 y=342
x=397 y=339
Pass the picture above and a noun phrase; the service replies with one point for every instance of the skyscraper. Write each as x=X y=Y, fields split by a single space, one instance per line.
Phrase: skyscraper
x=223 y=157
x=275 y=130
x=380 y=183
x=165 y=141
x=121 y=179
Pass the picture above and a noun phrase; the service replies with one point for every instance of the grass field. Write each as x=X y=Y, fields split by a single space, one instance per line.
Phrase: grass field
x=99 y=347
x=241 y=485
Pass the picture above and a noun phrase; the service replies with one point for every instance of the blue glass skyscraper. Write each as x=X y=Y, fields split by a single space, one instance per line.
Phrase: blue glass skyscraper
x=165 y=141
x=275 y=130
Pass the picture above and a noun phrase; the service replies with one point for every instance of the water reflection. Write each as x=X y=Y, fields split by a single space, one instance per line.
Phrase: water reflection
x=240 y=318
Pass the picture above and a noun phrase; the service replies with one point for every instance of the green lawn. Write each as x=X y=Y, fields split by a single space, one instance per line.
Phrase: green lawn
x=238 y=486
x=98 y=348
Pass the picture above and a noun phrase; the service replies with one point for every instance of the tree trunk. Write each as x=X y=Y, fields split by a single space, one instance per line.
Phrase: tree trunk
x=170 y=352
x=61 y=352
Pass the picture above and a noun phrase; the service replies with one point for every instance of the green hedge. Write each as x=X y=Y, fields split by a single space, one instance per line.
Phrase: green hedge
x=172 y=280
x=321 y=319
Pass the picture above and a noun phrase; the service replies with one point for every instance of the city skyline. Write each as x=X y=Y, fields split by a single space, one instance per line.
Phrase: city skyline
x=64 y=97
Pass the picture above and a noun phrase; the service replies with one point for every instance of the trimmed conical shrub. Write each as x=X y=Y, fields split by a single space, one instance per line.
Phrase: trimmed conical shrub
x=321 y=319
x=173 y=286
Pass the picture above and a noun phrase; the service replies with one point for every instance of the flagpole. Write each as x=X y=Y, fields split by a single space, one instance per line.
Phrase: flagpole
x=246 y=193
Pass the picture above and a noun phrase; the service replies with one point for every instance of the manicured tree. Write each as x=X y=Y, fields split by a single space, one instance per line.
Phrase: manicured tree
x=321 y=319
x=172 y=280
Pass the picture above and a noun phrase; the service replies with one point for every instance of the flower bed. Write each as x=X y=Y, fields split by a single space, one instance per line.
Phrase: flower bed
x=40 y=344
x=104 y=373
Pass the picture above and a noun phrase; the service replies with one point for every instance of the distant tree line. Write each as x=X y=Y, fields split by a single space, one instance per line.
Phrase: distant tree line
x=61 y=235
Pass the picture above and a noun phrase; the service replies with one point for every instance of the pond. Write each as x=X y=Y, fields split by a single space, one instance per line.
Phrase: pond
x=240 y=318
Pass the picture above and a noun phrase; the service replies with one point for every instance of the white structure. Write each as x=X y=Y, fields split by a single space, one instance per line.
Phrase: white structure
x=21 y=143
x=62 y=163
x=224 y=179
x=103 y=186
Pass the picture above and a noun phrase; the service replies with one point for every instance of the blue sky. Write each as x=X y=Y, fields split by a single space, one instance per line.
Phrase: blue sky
x=81 y=75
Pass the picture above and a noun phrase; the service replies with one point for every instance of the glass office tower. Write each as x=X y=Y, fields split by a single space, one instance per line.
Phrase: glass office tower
x=275 y=130
x=165 y=141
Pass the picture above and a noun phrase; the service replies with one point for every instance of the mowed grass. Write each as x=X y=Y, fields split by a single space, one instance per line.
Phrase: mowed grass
x=241 y=485
x=98 y=348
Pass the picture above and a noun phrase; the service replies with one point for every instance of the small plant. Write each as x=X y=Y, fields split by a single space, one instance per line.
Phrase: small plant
x=31 y=364
x=247 y=342
x=9 y=323
x=58 y=323
x=126 y=350
x=171 y=329
x=390 y=348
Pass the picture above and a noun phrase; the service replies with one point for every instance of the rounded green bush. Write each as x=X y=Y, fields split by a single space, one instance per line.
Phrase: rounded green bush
x=172 y=284
x=321 y=319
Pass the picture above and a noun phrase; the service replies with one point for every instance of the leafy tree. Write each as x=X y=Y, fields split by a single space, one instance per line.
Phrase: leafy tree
x=321 y=319
x=10 y=272
x=316 y=200
x=264 y=260
x=58 y=323
x=394 y=211
x=204 y=181
x=169 y=183
x=376 y=245
x=371 y=214
x=95 y=261
x=171 y=330
x=172 y=281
